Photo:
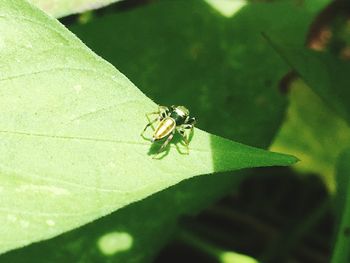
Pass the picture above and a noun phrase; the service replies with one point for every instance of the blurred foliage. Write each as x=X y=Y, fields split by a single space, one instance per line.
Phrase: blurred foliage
x=60 y=8
x=262 y=220
x=322 y=135
x=326 y=75
x=320 y=117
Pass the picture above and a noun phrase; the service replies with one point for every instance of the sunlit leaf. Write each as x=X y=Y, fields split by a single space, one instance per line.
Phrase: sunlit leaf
x=321 y=133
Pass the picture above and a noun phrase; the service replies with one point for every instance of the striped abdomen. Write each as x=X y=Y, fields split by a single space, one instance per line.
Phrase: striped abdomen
x=164 y=128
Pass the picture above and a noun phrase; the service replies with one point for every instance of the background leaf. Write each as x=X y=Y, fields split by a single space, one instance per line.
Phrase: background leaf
x=321 y=134
x=60 y=8
x=70 y=134
x=323 y=72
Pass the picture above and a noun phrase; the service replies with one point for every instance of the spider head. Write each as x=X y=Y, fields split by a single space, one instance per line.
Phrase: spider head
x=181 y=111
x=179 y=114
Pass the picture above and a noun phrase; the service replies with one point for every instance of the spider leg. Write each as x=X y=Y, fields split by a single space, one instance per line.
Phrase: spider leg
x=164 y=144
x=162 y=112
x=191 y=121
x=185 y=138
x=150 y=123
x=188 y=125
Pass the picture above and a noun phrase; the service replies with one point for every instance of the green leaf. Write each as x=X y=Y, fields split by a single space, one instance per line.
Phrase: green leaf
x=321 y=134
x=323 y=72
x=70 y=145
x=67 y=7
x=341 y=251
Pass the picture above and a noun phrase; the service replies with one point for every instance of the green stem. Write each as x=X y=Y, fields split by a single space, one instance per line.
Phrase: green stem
x=341 y=249
x=218 y=254
x=199 y=244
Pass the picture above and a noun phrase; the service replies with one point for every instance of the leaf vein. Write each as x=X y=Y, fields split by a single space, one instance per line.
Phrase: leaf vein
x=23 y=18
x=57 y=69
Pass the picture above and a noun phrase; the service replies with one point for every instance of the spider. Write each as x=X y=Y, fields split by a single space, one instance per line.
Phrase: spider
x=171 y=119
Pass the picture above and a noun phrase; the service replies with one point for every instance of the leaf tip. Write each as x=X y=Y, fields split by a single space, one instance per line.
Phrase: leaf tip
x=292 y=159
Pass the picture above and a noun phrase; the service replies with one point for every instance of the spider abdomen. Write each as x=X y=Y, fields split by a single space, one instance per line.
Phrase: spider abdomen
x=164 y=128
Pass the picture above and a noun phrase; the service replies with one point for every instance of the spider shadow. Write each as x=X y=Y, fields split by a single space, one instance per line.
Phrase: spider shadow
x=177 y=141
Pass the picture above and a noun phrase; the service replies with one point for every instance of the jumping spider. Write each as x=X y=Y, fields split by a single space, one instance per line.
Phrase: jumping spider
x=171 y=119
